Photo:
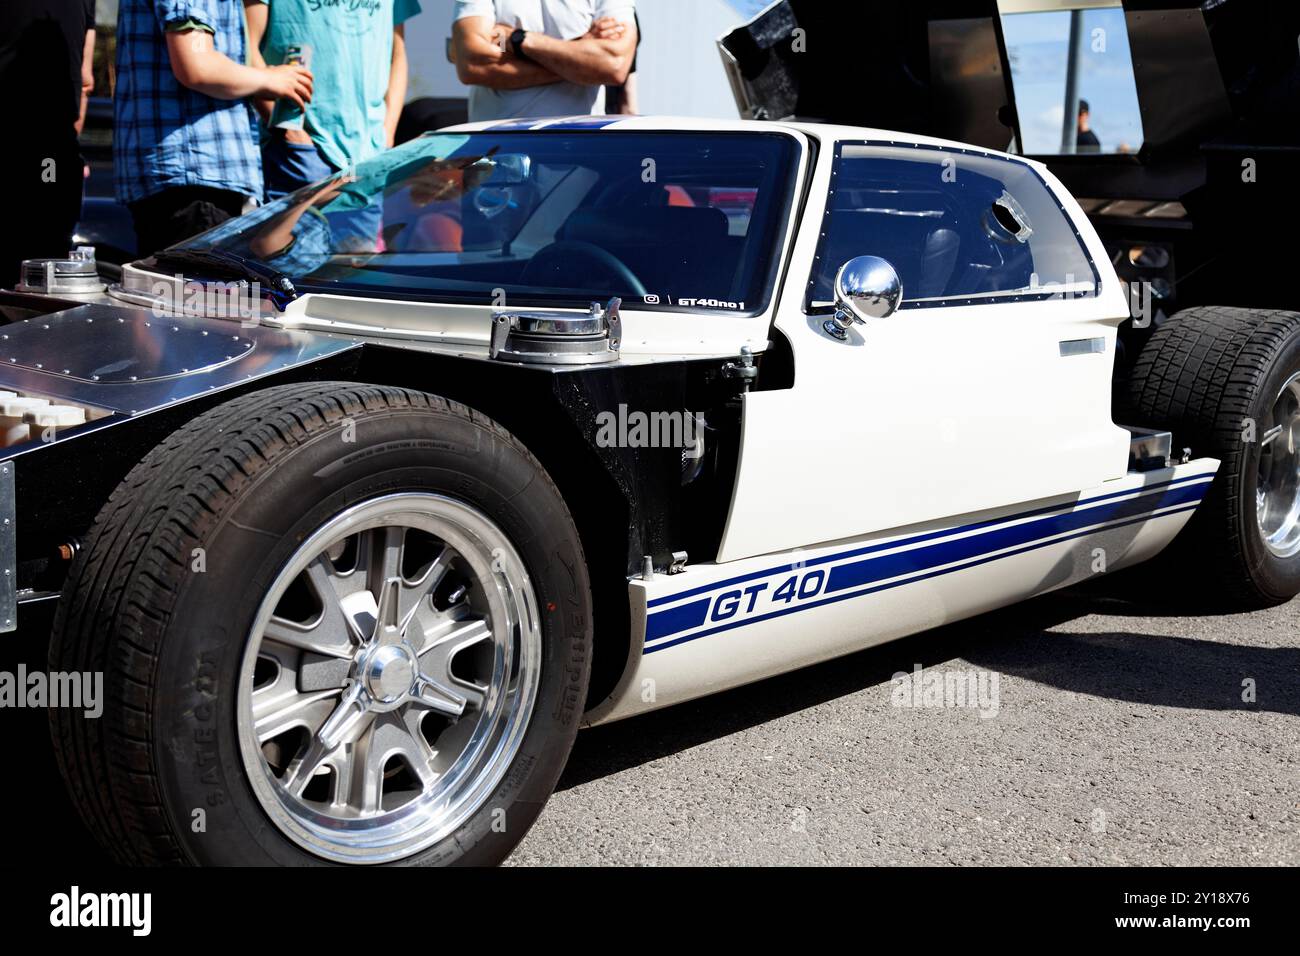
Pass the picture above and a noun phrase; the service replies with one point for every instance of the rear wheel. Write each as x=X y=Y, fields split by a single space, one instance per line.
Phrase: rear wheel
x=1226 y=383
x=337 y=624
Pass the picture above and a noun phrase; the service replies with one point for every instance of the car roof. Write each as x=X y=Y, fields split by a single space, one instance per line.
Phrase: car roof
x=823 y=132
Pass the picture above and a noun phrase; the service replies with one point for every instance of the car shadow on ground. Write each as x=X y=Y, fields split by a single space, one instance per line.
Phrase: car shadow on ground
x=1139 y=668
x=1142 y=668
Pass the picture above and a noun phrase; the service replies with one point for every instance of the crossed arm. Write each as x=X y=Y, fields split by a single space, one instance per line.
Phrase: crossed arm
x=484 y=56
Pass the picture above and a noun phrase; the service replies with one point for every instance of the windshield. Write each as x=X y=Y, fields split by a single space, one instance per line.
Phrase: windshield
x=663 y=220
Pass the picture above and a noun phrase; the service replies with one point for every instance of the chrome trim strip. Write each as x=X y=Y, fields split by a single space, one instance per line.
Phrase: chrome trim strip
x=1093 y=346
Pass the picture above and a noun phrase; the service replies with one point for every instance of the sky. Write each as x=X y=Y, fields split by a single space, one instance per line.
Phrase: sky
x=1037 y=46
x=747 y=8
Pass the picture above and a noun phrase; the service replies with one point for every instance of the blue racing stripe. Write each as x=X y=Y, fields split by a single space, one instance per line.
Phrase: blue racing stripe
x=676 y=619
x=919 y=559
x=585 y=122
x=873 y=569
x=557 y=122
x=515 y=124
x=928 y=536
x=896 y=584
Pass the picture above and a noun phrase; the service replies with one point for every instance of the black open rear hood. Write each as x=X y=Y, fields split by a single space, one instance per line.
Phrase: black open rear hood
x=1206 y=70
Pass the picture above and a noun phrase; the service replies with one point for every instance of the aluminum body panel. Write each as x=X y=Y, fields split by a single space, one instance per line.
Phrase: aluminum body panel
x=129 y=360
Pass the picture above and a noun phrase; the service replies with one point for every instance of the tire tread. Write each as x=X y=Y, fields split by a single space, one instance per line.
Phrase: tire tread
x=1198 y=376
x=124 y=584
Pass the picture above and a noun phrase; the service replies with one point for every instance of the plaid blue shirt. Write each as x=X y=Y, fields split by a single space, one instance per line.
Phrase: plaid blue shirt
x=166 y=134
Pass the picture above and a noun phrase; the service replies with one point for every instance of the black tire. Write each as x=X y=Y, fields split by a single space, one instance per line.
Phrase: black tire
x=247 y=482
x=1204 y=375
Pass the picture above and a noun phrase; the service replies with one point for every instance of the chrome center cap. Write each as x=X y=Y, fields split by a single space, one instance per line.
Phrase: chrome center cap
x=389 y=673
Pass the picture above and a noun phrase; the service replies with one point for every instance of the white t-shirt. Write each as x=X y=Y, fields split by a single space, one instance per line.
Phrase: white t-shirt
x=562 y=19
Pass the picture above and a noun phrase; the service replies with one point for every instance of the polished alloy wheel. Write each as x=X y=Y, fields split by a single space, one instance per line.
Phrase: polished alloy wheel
x=1277 y=495
x=389 y=678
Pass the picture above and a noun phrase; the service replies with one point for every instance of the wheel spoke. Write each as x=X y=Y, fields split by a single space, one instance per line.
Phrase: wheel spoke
x=335 y=632
x=342 y=763
x=304 y=767
x=440 y=689
x=340 y=724
x=366 y=789
x=382 y=739
x=415 y=750
x=437 y=646
x=318 y=637
x=397 y=599
x=385 y=550
x=414 y=592
x=439 y=697
x=279 y=708
x=363 y=724
x=388 y=625
x=1277 y=489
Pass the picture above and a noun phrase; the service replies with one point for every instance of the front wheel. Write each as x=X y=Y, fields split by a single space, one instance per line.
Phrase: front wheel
x=338 y=624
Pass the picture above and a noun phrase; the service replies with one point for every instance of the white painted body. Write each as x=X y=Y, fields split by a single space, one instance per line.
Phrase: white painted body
x=688 y=641
x=928 y=413
x=942 y=463
x=920 y=458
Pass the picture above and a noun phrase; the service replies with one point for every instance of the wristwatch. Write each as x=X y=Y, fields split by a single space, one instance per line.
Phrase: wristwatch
x=517 y=42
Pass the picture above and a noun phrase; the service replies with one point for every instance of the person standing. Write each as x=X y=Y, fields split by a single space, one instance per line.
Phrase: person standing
x=1086 y=140
x=357 y=53
x=524 y=58
x=185 y=138
x=46 y=49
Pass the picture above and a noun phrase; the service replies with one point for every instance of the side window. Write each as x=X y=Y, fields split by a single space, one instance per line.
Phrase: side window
x=954 y=225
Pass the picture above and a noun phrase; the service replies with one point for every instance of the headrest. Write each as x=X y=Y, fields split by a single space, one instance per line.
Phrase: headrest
x=646 y=225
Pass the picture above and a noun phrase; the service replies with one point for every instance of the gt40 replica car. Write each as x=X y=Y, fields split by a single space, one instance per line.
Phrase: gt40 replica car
x=540 y=424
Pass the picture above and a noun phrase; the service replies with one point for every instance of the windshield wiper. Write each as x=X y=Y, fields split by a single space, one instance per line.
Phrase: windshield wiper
x=279 y=286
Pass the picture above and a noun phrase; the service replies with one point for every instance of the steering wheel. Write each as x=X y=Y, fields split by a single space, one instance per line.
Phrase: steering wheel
x=577 y=257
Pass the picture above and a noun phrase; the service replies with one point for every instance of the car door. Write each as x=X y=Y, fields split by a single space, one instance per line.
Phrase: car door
x=988 y=388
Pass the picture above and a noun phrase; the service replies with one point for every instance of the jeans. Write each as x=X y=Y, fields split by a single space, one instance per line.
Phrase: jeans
x=287 y=167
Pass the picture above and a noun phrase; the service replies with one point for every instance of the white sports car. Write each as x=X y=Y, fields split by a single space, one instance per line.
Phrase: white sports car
x=363 y=503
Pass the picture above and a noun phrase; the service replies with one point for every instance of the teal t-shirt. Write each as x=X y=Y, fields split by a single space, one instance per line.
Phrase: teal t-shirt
x=351 y=43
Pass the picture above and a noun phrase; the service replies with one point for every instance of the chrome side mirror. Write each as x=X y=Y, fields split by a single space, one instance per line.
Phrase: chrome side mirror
x=866 y=287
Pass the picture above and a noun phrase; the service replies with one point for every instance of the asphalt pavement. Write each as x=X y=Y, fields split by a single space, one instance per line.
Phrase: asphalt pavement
x=1123 y=734
x=1120 y=736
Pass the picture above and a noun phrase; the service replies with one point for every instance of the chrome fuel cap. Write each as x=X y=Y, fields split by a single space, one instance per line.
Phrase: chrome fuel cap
x=557 y=337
